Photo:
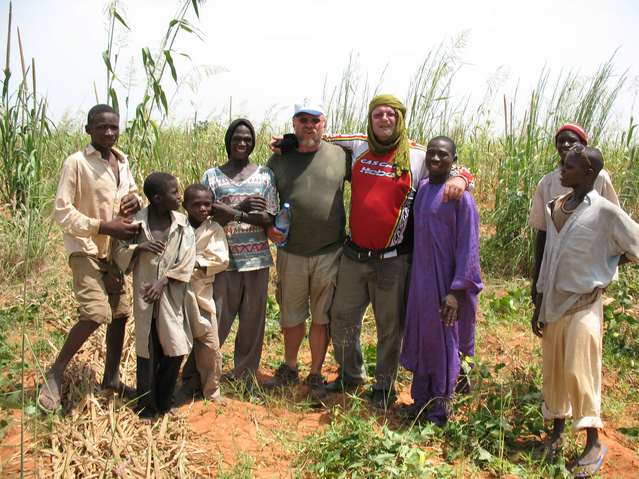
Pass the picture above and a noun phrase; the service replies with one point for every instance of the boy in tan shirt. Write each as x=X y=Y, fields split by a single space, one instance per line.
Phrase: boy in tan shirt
x=96 y=195
x=161 y=257
x=202 y=371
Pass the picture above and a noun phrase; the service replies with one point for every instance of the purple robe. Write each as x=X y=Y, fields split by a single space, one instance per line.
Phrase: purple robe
x=445 y=258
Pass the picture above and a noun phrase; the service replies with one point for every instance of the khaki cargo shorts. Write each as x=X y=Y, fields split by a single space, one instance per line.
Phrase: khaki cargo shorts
x=99 y=288
x=305 y=286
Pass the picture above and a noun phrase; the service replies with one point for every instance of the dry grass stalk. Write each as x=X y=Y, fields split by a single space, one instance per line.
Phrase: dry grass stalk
x=97 y=436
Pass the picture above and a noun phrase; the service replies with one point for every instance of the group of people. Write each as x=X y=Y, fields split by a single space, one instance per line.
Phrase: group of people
x=412 y=253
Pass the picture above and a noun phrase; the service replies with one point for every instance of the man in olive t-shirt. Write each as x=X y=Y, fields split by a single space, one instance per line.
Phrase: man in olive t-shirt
x=310 y=178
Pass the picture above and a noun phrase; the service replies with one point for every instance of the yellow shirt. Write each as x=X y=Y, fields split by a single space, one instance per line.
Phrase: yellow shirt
x=172 y=310
x=212 y=256
x=87 y=195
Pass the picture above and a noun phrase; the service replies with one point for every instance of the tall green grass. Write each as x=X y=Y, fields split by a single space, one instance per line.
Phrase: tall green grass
x=528 y=152
x=24 y=133
x=507 y=160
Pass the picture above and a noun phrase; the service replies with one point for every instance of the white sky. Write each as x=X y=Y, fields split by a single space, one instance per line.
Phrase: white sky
x=276 y=52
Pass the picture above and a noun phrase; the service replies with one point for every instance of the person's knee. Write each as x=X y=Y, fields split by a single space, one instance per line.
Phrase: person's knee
x=98 y=312
x=319 y=330
x=293 y=321
x=294 y=329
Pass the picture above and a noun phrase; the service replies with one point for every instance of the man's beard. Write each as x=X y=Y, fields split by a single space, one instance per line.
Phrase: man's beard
x=307 y=142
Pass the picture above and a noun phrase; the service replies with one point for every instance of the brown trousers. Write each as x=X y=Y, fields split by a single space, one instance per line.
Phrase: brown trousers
x=203 y=368
x=242 y=294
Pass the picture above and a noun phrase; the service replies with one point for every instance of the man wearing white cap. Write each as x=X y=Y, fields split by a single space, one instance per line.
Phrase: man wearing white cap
x=311 y=178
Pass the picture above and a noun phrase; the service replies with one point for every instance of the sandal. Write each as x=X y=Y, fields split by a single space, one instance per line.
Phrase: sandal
x=49 y=396
x=590 y=469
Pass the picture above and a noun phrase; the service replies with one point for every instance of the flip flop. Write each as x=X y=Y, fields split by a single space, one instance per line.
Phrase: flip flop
x=49 y=395
x=589 y=470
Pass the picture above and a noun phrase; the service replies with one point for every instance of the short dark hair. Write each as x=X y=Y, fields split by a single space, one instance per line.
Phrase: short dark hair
x=98 y=109
x=157 y=183
x=193 y=189
x=595 y=158
x=446 y=139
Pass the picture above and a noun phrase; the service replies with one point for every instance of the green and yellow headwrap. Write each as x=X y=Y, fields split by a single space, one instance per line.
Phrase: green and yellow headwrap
x=399 y=140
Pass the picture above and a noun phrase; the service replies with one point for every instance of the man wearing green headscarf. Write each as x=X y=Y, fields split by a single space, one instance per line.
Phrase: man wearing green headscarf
x=374 y=267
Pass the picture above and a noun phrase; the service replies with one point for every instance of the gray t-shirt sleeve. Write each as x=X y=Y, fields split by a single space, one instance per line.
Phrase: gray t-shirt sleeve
x=270 y=161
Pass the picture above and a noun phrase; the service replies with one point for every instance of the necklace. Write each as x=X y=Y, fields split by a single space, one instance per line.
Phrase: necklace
x=563 y=205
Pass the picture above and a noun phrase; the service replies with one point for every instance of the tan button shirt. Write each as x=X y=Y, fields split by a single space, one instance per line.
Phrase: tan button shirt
x=212 y=257
x=172 y=310
x=88 y=193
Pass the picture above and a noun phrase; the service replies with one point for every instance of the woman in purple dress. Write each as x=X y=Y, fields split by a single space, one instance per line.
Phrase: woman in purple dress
x=445 y=282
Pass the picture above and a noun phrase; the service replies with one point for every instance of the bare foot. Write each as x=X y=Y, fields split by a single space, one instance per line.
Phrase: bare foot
x=590 y=461
x=125 y=392
x=218 y=400
x=550 y=448
x=590 y=455
x=49 y=396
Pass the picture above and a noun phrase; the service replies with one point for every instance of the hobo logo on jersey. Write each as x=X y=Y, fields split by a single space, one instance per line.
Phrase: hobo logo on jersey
x=379 y=168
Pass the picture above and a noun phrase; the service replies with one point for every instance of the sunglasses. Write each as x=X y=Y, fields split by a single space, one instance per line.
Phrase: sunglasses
x=304 y=120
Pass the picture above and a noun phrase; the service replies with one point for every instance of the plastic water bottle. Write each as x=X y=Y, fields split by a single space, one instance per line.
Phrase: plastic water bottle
x=283 y=222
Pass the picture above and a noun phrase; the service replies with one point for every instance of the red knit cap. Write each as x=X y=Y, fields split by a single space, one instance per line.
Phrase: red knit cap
x=576 y=129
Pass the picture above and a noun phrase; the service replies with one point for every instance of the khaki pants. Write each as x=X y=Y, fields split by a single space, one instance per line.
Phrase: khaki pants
x=305 y=286
x=203 y=368
x=382 y=283
x=572 y=367
x=99 y=289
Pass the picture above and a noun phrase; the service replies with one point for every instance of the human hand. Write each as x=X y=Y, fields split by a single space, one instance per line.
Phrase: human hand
x=252 y=203
x=222 y=214
x=536 y=326
x=449 y=309
x=155 y=246
x=258 y=218
x=119 y=228
x=129 y=204
x=273 y=145
x=454 y=188
x=275 y=235
x=152 y=292
x=533 y=292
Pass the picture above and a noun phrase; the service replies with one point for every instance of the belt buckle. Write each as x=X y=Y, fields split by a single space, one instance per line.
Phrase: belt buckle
x=389 y=254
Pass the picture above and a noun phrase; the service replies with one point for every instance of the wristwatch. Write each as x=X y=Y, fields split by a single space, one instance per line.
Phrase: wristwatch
x=239 y=217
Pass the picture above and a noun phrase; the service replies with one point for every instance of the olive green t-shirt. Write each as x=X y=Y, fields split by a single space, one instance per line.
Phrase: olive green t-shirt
x=313 y=184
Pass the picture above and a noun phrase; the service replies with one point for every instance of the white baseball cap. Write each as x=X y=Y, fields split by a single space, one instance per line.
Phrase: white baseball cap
x=310 y=107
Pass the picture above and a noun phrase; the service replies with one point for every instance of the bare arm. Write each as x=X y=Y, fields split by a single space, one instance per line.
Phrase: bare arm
x=540 y=245
x=224 y=214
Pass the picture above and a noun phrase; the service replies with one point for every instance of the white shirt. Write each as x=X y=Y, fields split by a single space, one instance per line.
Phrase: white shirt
x=584 y=255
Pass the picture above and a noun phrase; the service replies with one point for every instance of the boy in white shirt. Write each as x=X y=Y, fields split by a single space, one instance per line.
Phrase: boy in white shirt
x=587 y=236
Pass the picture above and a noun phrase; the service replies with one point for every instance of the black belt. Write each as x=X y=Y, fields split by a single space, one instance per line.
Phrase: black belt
x=356 y=253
